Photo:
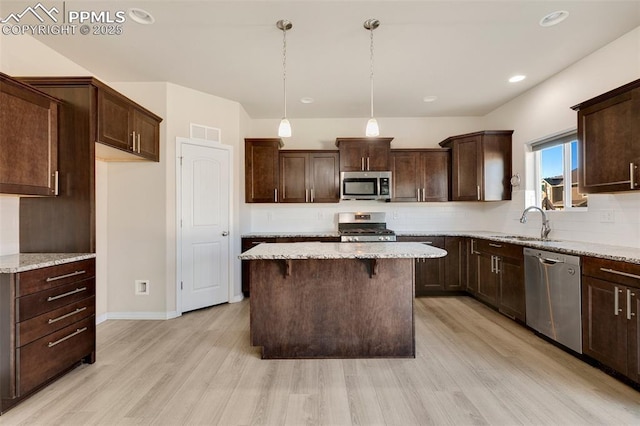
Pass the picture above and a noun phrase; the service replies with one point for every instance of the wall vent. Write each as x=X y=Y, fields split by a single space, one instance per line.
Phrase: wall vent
x=211 y=134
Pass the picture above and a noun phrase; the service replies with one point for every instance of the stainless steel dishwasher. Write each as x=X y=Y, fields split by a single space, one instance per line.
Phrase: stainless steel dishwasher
x=553 y=296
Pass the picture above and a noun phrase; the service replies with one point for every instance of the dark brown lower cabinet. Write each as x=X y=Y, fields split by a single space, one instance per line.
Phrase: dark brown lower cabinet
x=496 y=276
x=611 y=314
x=47 y=326
x=429 y=273
x=455 y=276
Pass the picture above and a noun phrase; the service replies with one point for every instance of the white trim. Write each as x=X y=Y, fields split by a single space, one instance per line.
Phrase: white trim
x=101 y=318
x=218 y=145
x=142 y=315
x=236 y=299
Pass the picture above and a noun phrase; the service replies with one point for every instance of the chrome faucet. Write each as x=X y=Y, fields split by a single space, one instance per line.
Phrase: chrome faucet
x=546 y=228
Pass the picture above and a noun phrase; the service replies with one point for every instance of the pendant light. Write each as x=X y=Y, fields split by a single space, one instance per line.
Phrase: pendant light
x=372 y=125
x=284 y=130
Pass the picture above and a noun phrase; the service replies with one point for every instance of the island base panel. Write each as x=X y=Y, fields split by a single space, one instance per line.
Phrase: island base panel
x=338 y=308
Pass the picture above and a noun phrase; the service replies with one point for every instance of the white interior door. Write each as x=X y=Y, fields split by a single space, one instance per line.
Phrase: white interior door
x=204 y=226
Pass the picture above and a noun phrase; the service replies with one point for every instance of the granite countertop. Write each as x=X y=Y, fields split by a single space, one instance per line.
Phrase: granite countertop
x=577 y=248
x=317 y=250
x=22 y=262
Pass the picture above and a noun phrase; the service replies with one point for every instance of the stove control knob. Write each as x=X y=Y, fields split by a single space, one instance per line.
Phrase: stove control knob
x=387 y=238
x=355 y=239
x=380 y=238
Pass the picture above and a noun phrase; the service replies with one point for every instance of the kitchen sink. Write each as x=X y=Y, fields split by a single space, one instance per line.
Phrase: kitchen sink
x=522 y=238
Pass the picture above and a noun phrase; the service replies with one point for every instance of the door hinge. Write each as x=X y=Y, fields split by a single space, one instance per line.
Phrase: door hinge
x=181 y=160
x=181 y=285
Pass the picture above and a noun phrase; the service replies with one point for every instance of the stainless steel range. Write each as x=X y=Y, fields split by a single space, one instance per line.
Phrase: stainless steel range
x=364 y=227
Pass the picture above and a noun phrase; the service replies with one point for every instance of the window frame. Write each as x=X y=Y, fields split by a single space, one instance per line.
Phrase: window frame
x=565 y=138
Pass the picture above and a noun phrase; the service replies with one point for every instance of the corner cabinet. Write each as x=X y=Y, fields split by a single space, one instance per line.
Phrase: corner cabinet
x=420 y=175
x=261 y=177
x=48 y=326
x=28 y=139
x=609 y=138
x=364 y=154
x=611 y=314
x=66 y=223
x=480 y=165
x=309 y=176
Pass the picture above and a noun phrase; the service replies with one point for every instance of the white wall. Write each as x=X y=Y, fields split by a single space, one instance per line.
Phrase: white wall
x=9 y=221
x=545 y=110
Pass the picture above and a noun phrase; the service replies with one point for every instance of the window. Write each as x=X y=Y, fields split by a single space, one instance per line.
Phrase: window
x=556 y=160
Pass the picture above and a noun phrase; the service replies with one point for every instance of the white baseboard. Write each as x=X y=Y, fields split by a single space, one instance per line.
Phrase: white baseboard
x=101 y=318
x=142 y=315
x=236 y=299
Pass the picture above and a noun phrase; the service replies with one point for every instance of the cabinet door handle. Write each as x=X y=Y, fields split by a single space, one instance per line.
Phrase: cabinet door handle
x=362 y=163
x=138 y=142
x=75 y=333
x=471 y=246
x=492 y=267
x=368 y=168
x=632 y=179
x=495 y=245
x=629 y=313
x=70 y=314
x=306 y=195
x=56 y=183
x=624 y=274
x=423 y=195
x=497 y=264
x=616 y=301
x=312 y=194
x=69 y=293
x=478 y=191
x=59 y=277
x=275 y=195
x=133 y=141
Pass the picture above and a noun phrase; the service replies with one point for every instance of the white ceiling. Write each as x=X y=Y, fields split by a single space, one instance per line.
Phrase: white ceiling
x=463 y=52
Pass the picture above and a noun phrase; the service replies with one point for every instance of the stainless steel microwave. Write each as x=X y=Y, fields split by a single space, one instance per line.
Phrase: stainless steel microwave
x=365 y=185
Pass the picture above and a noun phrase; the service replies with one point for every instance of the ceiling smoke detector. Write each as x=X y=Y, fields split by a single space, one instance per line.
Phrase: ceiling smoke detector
x=141 y=16
x=553 y=18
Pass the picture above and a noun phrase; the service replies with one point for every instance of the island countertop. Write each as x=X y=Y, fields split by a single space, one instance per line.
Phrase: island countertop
x=317 y=250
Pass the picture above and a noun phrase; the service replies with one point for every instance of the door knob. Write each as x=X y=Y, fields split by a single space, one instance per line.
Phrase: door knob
x=225 y=233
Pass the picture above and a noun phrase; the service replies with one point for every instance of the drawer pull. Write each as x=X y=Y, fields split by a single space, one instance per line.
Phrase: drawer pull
x=59 y=277
x=75 y=333
x=495 y=245
x=52 y=320
x=69 y=293
x=624 y=274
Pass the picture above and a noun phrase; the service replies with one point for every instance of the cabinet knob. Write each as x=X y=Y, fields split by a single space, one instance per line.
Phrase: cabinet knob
x=225 y=233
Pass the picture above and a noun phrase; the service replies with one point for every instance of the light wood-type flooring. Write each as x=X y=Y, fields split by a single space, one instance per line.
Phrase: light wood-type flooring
x=473 y=366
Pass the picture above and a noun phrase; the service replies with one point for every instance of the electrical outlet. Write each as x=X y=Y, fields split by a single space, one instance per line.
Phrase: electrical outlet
x=395 y=215
x=607 y=216
x=141 y=287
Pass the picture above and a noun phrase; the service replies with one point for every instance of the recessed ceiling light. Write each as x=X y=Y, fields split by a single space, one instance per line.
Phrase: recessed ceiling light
x=141 y=16
x=554 y=18
x=429 y=98
x=307 y=100
x=517 y=78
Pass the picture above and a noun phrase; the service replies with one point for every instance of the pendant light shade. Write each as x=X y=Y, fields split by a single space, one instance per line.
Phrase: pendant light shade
x=372 y=125
x=284 y=130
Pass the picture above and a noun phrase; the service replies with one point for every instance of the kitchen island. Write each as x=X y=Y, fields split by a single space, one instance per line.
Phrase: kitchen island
x=334 y=300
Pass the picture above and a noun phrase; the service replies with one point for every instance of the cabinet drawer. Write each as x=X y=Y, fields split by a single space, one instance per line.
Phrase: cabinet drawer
x=54 y=298
x=44 y=278
x=44 y=358
x=497 y=248
x=611 y=270
x=47 y=323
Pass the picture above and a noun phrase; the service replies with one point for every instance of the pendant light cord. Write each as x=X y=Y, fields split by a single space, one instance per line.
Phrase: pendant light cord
x=284 y=68
x=371 y=67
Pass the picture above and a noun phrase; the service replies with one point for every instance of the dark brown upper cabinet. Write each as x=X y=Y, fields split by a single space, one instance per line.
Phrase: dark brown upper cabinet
x=420 y=174
x=364 y=154
x=66 y=223
x=309 y=176
x=261 y=177
x=28 y=139
x=480 y=165
x=609 y=141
